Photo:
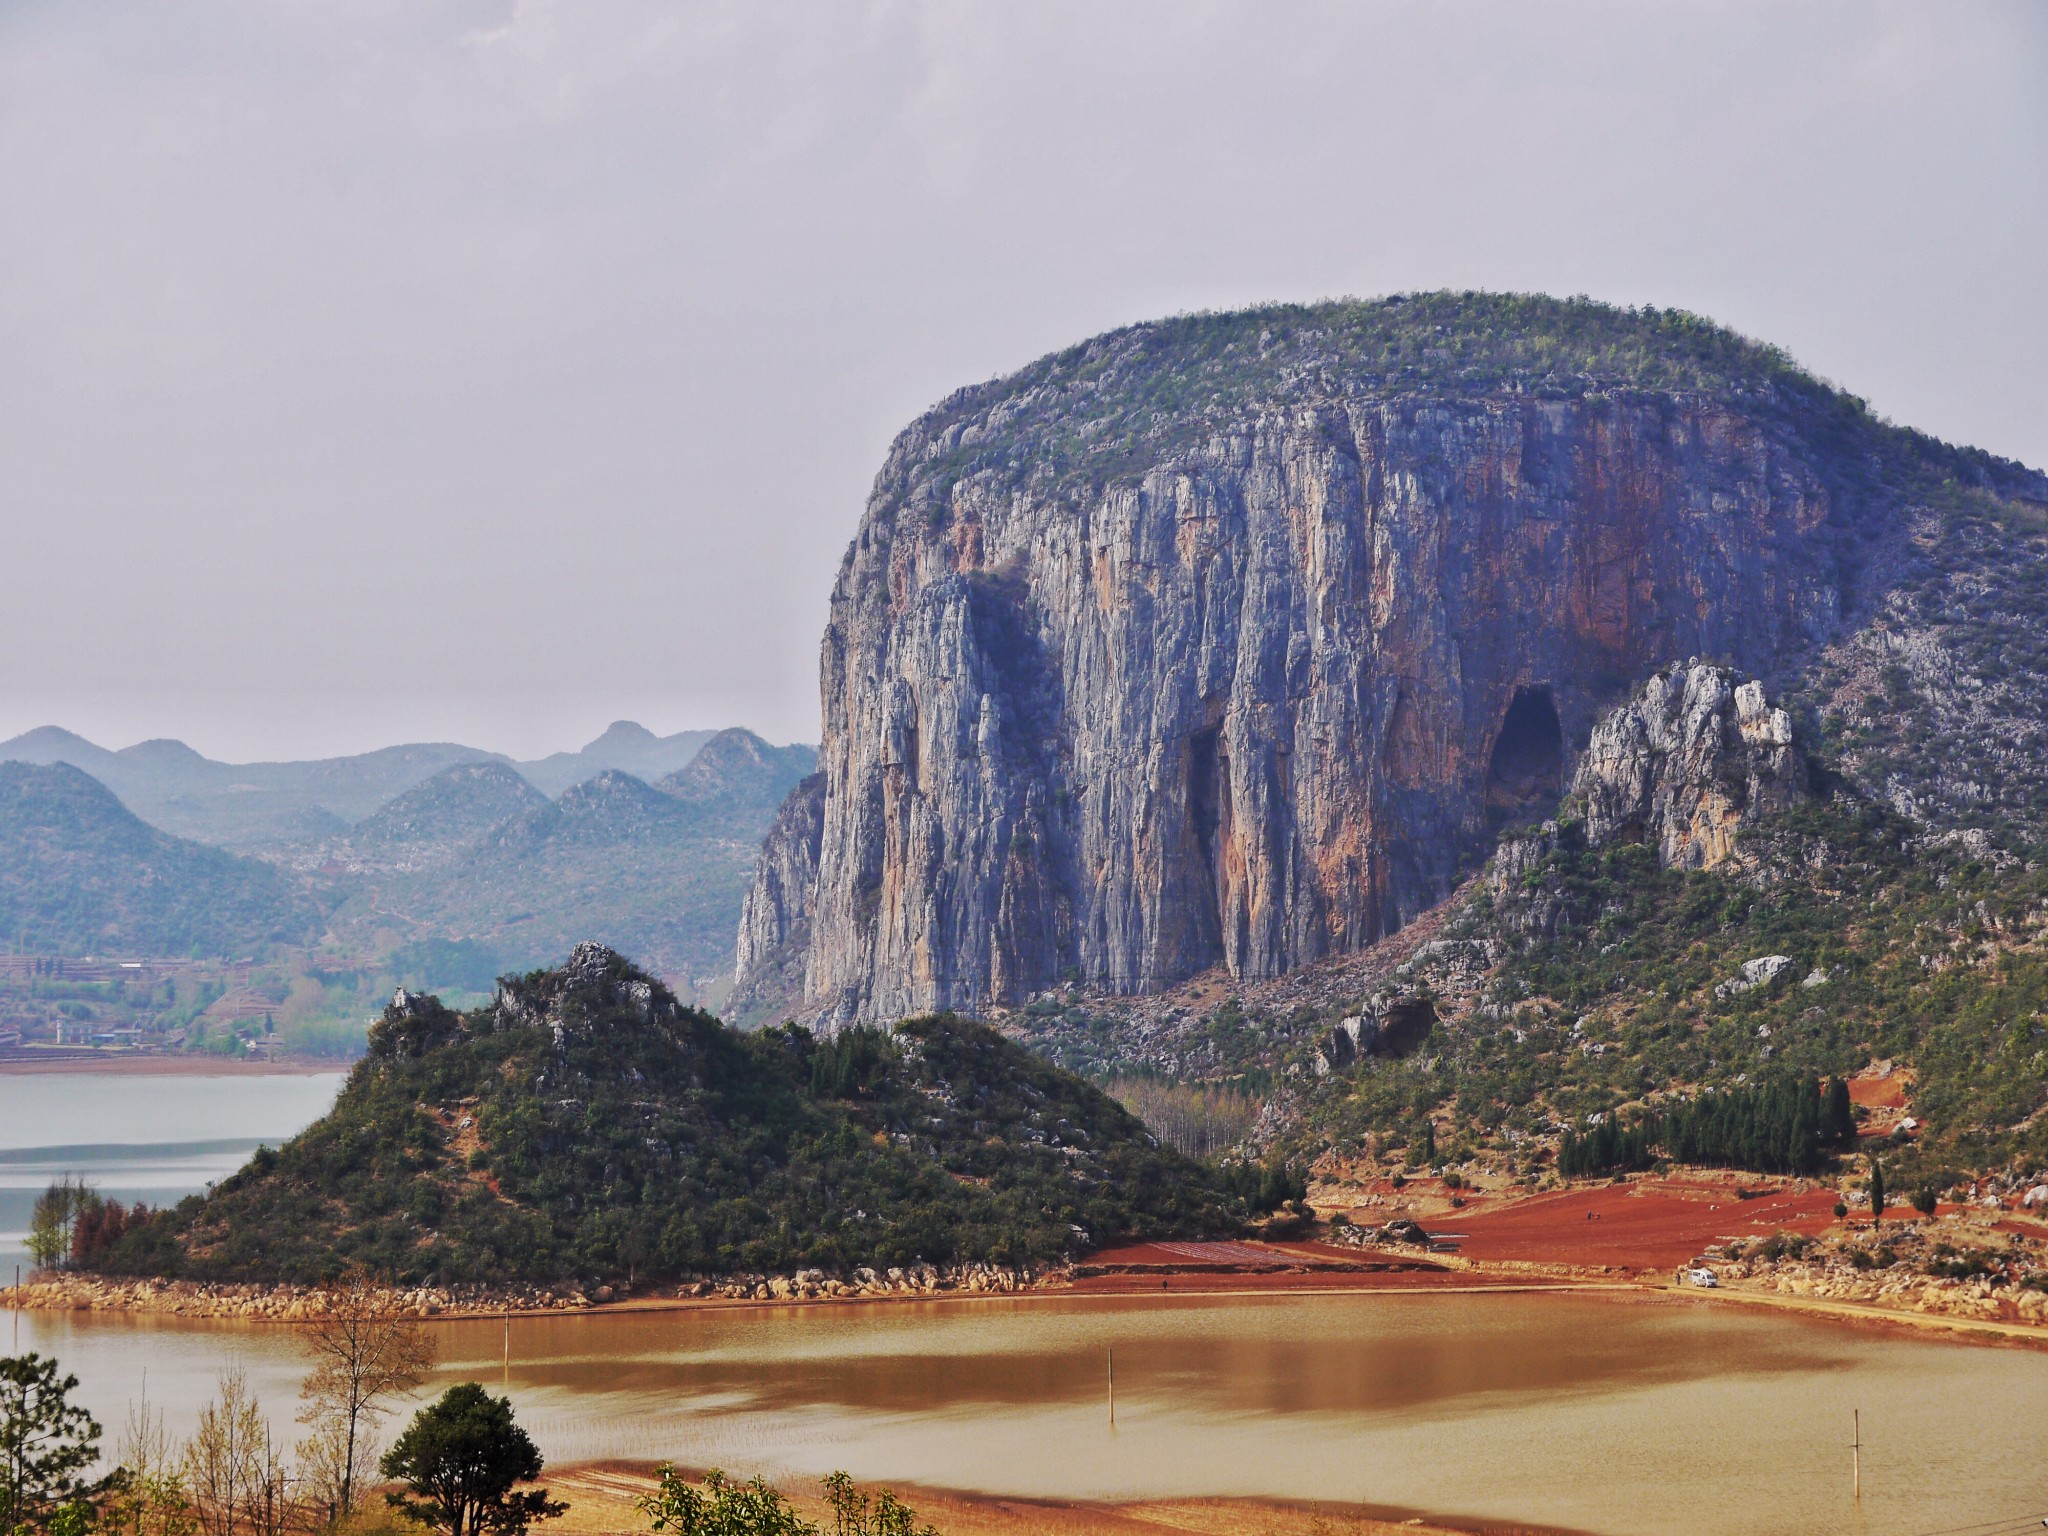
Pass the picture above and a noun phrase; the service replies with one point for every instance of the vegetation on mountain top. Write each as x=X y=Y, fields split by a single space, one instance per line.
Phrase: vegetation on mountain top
x=585 y=1126
x=1120 y=403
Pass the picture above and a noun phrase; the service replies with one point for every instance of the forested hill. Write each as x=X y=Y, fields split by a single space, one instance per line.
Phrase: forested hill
x=585 y=1126
x=80 y=874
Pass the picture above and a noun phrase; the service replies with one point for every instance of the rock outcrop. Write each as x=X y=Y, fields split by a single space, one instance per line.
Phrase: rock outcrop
x=1236 y=639
x=775 y=920
x=1687 y=761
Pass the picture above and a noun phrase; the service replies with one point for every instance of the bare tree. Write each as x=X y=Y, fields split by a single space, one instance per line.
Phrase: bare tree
x=150 y=1498
x=276 y=1505
x=366 y=1352
x=224 y=1461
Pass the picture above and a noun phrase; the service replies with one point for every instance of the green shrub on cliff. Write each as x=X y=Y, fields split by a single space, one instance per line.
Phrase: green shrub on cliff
x=586 y=1126
x=1901 y=948
x=1126 y=402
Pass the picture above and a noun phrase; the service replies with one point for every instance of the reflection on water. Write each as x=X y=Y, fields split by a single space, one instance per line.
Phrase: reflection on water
x=1575 y=1411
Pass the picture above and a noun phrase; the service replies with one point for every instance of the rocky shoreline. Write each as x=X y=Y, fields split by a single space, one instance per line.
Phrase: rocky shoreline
x=1928 y=1295
x=45 y=1292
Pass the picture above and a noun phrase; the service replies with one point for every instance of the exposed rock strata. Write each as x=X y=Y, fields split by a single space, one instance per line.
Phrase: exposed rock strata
x=1116 y=702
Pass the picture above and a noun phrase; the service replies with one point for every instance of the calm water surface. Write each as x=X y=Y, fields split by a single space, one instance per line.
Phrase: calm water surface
x=148 y=1138
x=1611 y=1416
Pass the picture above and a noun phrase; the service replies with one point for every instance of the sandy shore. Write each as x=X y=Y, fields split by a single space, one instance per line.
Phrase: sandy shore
x=600 y=1497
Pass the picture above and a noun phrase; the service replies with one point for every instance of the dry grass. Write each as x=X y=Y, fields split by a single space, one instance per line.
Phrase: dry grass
x=600 y=1496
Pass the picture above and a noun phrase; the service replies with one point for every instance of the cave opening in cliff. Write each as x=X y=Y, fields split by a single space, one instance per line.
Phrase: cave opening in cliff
x=1208 y=802
x=1526 y=771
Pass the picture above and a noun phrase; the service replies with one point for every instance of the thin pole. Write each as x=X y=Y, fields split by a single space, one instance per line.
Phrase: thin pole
x=1112 y=1389
x=1856 y=1449
x=14 y=1305
x=508 y=1345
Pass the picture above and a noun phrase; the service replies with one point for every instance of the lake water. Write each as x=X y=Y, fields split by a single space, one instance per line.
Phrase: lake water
x=1577 y=1411
x=1605 y=1415
x=153 y=1138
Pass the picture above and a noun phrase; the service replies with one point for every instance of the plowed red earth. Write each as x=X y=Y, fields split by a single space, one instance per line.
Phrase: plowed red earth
x=1639 y=1226
x=1197 y=1267
x=1878 y=1092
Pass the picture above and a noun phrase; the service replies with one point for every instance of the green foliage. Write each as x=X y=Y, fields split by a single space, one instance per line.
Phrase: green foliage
x=856 y=1513
x=47 y=1445
x=461 y=1460
x=1267 y=1186
x=49 y=1226
x=1124 y=403
x=1779 y=1127
x=720 y=1507
x=1618 y=998
x=586 y=1126
x=1878 y=1199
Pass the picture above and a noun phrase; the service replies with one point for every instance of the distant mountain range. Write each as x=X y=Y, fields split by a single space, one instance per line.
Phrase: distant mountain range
x=654 y=870
x=413 y=844
x=253 y=807
x=81 y=874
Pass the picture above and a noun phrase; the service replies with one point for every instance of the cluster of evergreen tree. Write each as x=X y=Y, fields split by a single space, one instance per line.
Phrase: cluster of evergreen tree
x=1264 y=1186
x=1784 y=1126
x=588 y=1127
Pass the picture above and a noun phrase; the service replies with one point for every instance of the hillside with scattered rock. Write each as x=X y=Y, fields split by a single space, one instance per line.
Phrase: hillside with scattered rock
x=1709 y=908
x=1235 y=641
x=587 y=1128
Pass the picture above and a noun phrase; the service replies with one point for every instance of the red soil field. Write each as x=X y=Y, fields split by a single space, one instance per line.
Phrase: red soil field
x=1879 y=1092
x=1647 y=1225
x=1195 y=1268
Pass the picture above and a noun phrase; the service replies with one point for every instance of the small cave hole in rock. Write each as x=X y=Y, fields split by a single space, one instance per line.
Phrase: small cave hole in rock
x=1526 y=771
x=1208 y=812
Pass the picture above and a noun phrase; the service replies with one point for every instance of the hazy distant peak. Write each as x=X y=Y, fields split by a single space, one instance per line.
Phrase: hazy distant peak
x=614 y=784
x=737 y=769
x=623 y=733
x=461 y=801
x=625 y=744
x=28 y=788
x=122 y=884
x=163 y=751
x=50 y=744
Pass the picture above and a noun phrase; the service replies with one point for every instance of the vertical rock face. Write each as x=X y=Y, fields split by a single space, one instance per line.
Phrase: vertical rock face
x=775 y=920
x=1234 y=640
x=1686 y=762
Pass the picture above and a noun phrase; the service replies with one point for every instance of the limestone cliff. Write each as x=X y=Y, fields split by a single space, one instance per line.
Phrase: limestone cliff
x=1237 y=638
x=1685 y=762
x=775 y=920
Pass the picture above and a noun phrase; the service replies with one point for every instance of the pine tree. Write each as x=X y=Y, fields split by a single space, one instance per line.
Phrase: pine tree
x=1840 y=1120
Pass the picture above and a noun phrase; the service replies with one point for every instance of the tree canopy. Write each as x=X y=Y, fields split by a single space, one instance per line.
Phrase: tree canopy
x=461 y=1460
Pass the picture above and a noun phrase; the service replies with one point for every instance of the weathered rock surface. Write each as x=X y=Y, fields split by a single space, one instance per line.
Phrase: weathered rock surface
x=775 y=920
x=1686 y=762
x=1228 y=641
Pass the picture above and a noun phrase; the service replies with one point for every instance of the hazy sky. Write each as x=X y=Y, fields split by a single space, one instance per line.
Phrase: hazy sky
x=375 y=370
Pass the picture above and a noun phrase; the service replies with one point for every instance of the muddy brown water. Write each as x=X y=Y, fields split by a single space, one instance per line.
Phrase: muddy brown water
x=1568 y=1410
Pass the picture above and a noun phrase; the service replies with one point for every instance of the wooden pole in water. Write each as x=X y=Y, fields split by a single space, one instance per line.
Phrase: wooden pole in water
x=1112 y=1389
x=1856 y=1450
x=508 y=1344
